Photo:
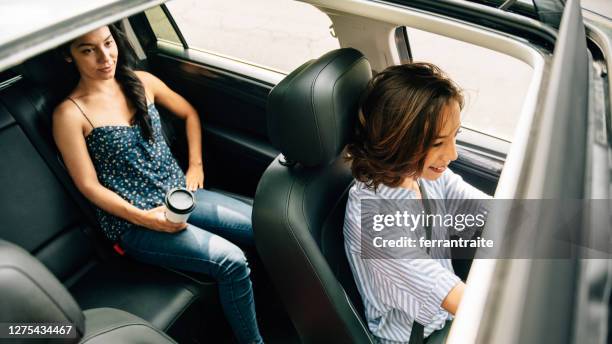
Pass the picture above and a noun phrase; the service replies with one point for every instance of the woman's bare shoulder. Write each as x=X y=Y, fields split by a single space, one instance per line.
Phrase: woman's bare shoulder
x=148 y=81
x=67 y=113
x=143 y=74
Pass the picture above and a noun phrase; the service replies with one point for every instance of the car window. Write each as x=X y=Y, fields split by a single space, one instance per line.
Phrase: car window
x=494 y=84
x=523 y=7
x=274 y=34
x=161 y=25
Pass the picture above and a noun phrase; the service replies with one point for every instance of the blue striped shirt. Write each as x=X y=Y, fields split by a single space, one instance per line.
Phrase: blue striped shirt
x=397 y=292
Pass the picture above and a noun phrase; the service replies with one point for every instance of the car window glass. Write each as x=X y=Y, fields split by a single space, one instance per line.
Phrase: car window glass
x=276 y=34
x=527 y=2
x=161 y=25
x=525 y=7
x=494 y=84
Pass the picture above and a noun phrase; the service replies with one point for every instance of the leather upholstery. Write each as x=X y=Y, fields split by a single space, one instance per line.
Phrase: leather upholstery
x=107 y=325
x=299 y=208
x=157 y=295
x=311 y=111
x=31 y=294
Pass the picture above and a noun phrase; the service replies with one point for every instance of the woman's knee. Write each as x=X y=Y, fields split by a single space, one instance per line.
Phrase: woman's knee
x=234 y=265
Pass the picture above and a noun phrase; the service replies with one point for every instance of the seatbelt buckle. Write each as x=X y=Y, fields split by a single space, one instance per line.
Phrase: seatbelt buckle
x=118 y=249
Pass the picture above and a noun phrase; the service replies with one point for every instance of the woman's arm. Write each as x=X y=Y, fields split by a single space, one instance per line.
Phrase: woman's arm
x=178 y=105
x=431 y=285
x=452 y=300
x=68 y=135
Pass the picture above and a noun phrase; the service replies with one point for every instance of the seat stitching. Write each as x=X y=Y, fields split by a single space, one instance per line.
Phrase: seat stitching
x=312 y=104
x=336 y=137
x=303 y=251
x=109 y=329
x=42 y=290
x=183 y=257
x=173 y=255
x=179 y=314
x=350 y=303
x=181 y=273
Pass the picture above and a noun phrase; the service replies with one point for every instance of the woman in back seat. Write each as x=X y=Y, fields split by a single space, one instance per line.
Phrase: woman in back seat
x=109 y=134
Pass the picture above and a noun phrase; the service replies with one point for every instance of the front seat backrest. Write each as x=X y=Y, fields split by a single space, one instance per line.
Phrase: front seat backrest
x=299 y=204
x=31 y=294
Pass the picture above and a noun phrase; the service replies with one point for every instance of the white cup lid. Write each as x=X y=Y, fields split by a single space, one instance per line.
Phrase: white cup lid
x=180 y=200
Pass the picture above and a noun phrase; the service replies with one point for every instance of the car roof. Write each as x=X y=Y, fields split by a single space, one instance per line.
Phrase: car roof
x=30 y=27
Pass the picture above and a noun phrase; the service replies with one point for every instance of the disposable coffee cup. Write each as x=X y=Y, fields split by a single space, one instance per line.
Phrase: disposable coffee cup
x=180 y=202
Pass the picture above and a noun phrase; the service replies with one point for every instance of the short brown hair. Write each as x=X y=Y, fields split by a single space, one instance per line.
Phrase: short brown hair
x=400 y=117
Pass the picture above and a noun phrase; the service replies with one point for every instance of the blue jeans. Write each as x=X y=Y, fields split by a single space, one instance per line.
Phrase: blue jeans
x=204 y=247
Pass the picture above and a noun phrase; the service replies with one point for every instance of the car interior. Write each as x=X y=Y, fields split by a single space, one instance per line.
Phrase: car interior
x=273 y=142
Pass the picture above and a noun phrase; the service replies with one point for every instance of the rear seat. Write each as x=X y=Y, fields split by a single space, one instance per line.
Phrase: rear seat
x=41 y=211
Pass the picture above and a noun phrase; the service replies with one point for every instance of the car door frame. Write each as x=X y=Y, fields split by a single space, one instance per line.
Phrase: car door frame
x=525 y=298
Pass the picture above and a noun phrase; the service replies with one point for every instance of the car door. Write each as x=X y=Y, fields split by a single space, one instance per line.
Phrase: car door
x=565 y=156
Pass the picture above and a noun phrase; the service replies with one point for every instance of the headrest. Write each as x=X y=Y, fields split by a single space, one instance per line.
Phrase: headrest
x=50 y=74
x=30 y=293
x=311 y=111
x=42 y=69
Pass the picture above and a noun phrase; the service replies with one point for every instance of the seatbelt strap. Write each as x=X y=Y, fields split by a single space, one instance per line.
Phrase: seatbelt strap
x=417 y=335
x=424 y=201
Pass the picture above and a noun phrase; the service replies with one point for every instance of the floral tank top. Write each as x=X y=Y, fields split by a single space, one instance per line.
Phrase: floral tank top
x=141 y=171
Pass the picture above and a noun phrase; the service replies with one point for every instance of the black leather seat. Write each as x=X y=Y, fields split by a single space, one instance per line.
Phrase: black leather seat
x=31 y=294
x=300 y=200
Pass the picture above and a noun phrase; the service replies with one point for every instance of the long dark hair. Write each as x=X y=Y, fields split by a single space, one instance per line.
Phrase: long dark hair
x=130 y=84
x=399 y=118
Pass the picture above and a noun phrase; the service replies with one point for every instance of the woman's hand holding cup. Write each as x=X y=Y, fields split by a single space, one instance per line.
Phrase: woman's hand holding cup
x=156 y=219
x=172 y=216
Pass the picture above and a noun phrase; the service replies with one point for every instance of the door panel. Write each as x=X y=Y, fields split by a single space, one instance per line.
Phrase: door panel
x=477 y=168
x=232 y=111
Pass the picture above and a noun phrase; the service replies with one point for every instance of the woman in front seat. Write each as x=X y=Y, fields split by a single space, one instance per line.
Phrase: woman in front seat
x=108 y=131
x=404 y=141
